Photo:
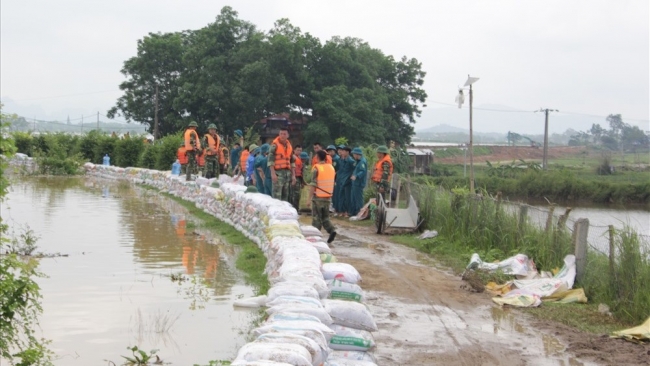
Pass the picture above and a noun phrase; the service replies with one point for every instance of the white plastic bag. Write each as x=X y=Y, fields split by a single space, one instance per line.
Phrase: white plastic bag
x=345 y=291
x=350 y=314
x=349 y=339
x=251 y=302
x=340 y=271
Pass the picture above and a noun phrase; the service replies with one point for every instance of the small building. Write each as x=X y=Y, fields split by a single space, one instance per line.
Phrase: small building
x=421 y=160
x=269 y=127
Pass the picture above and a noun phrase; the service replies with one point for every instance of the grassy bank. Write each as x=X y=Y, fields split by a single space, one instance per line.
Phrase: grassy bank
x=250 y=259
x=469 y=224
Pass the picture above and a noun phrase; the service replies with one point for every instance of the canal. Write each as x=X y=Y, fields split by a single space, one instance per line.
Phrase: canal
x=133 y=271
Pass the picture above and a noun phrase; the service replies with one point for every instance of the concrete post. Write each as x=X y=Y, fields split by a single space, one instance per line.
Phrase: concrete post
x=580 y=232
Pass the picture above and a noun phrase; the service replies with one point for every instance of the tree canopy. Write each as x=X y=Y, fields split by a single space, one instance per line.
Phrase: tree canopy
x=232 y=74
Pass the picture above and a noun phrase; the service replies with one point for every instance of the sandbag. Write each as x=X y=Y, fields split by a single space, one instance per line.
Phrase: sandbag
x=340 y=271
x=297 y=327
x=353 y=355
x=292 y=316
x=259 y=363
x=318 y=354
x=328 y=258
x=251 y=302
x=350 y=314
x=349 y=339
x=295 y=300
x=309 y=230
x=320 y=313
x=322 y=247
x=345 y=291
x=290 y=353
x=347 y=362
x=297 y=289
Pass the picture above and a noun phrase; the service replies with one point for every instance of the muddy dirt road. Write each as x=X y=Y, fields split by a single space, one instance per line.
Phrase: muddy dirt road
x=425 y=318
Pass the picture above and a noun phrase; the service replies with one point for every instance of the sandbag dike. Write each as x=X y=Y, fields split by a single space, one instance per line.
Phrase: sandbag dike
x=316 y=309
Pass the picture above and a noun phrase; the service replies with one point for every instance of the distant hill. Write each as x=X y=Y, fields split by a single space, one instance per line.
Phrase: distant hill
x=443 y=128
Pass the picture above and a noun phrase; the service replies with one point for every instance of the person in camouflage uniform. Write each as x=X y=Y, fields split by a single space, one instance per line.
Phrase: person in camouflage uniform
x=383 y=172
x=301 y=171
x=193 y=149
x=282 y=164
x=321 y=190
x=211 y=143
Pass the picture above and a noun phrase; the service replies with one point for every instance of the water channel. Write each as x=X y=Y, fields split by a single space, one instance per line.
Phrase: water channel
x=115 y=286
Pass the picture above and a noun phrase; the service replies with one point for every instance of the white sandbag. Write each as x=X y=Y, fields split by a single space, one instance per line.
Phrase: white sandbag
x=318 y=354
x=298 y=327
x=290 y=353
x=350 y=339
x=320 y=313
x=347 y=362
x=328 y=258
x=251 y=302
x=292 y=316
x=284 y=222
x=296 y=289
x=259 y=363
x=313 y=239
x=340 y=290
x=340 y=271
x=295 y=300
x=318 y=283
x=322 y=247
x=350 y=314
x=308 y=230
x=353 y=355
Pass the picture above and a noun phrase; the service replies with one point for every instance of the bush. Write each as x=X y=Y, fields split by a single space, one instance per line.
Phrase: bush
x=167 y=148
x=53 y=157
x=127 y=152
x=24 y=142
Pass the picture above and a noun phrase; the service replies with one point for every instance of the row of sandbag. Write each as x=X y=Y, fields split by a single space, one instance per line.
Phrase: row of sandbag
x=315 y=307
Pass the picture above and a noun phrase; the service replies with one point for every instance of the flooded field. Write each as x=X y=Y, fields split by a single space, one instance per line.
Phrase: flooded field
x=135 y=273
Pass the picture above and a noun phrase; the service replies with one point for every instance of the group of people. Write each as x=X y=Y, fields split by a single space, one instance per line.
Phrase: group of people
x=335 y=176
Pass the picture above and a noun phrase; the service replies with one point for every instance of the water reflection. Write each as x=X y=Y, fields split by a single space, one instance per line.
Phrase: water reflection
x=115 y=290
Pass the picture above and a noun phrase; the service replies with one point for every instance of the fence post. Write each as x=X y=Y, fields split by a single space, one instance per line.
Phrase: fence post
x=399 y=187
x=612 y=251
x=549 y=219
x=580 y=232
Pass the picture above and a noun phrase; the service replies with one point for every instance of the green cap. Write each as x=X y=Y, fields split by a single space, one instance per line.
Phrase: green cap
x=252 y=147
x=265 y=148
x=304 y=155
x=357 y=151
x=193 y=124
x=212 y=126
x=238 y=133
x=383 y=149
x=251 y=189
x=330 y=147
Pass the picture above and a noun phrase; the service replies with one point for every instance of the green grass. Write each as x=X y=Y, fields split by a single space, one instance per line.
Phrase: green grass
x=250 y=259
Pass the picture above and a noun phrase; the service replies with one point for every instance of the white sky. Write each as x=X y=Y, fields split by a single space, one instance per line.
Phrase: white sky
x=580 y=56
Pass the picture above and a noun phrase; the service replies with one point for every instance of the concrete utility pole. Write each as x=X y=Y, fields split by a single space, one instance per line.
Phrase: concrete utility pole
x=155 y=117
x=545 y=159
x=471 y=141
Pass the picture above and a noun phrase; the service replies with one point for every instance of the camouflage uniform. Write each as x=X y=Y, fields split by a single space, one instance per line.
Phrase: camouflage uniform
x=211 y=161
x=281 y=187
x=192 y=166
x=385 y=181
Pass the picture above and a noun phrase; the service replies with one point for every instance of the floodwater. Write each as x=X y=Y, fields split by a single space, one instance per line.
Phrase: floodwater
x=115 y=288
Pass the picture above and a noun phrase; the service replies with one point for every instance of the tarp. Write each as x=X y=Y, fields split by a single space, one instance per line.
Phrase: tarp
x=636 y=334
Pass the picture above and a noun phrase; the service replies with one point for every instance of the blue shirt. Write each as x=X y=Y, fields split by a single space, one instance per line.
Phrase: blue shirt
x=250 y=166
x=360 y=172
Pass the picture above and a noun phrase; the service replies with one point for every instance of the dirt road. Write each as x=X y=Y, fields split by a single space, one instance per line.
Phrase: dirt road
x=425 y=318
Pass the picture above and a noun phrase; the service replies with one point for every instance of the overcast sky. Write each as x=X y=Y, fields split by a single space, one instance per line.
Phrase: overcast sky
x=589 y=57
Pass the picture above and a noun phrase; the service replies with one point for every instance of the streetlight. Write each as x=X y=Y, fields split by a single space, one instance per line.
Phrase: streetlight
x=460 y=99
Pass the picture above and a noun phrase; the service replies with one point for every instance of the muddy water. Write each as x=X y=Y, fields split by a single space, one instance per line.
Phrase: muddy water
x=114 y=288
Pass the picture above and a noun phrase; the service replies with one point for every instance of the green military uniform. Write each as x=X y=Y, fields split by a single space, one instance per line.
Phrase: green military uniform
x=320 y=209
x=296 y=190
x=281 y=187
x=385 y=175
x=211 y=161
x=192 y=166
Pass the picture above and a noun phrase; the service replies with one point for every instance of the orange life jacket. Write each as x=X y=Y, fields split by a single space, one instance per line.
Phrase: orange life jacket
x=213 y=144
x=314 y=160
x=181 y=155
x=379 y=171
x=324 y=180
x=282 y=154
x=242 y=161
x=188 y=143
x=298 y=167
x=223 y=156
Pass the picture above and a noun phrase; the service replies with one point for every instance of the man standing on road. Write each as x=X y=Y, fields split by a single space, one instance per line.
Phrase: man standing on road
x=235 y=153
x=358 y=178
x=212 y=145
x=281 y=161
x=263 y=172
x=320 y=192
x=296 y=188
x=383 y=172
x=192 y=149
x=249 y=165
x=343 y=182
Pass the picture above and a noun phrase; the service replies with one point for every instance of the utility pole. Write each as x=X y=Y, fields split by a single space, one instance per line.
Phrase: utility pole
x=471 y=142
x=97 y=121
x=545 y=158
x=155 y=117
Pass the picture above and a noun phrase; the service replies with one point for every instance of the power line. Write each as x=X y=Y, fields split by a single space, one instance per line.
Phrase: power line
x=66 y=95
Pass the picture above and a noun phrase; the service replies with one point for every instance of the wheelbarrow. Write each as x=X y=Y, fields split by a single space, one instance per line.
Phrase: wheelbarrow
x=397 y=218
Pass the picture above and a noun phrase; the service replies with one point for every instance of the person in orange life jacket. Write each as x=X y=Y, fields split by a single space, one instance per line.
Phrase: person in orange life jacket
x=318 y=147
x=282 y=164
x=212 y=146
x=383 y=172
x=321 y=189
x=181 y=155
x=223 y=159
x=192 y=148
x=300 y=181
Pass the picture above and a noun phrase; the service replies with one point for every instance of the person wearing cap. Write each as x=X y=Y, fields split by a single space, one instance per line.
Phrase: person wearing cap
x=224 y=155
x=321 y=189
x=192 y=149
x=343 y=182
x=263 y=172
x=181 y=155
x=250 y=164
x=383 y=171
x=300 y=182
x=358 y=179
x=235 y=153
x=212 y=146
x=334 y=158
x=282 y=164
x=240 y=169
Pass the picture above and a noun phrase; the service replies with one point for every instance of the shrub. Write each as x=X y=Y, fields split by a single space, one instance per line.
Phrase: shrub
x=127 y=152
